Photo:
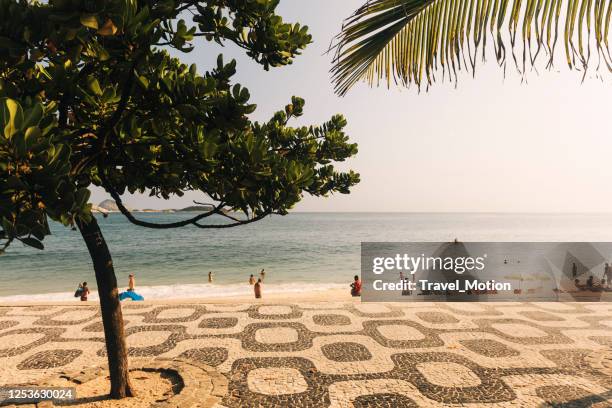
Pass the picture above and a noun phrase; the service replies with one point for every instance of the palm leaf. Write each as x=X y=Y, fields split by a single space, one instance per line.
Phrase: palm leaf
x=409 y=41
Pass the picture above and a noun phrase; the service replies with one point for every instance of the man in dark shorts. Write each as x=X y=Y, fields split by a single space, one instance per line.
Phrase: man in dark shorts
x=84 y=292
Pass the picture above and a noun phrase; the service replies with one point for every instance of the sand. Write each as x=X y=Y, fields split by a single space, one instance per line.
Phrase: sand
x=151 y=387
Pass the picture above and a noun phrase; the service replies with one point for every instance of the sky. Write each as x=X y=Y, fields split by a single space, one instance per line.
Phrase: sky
x=490 y=144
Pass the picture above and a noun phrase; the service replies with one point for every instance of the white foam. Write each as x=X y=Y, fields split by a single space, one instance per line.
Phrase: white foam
x=185 y=291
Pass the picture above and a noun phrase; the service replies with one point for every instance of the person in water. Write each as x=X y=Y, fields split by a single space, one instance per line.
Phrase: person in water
x=574 y=270
x=130 y=293
x=356 y=287
x=210 y=277
x=77 y=293
x=84 y=292
x=252 y=280
x=257 y=289
x=262 y=274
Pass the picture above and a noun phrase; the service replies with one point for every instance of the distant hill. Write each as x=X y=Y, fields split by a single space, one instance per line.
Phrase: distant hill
x=198 y=208
x=110 y=205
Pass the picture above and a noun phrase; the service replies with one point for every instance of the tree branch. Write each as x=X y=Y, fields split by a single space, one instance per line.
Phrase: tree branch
x=127 y=213
x=5 y=244
x=221 y=213
x=190 y=221
x=235 y=224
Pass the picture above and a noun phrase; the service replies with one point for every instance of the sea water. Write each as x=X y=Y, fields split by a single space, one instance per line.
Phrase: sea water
x=300 y=251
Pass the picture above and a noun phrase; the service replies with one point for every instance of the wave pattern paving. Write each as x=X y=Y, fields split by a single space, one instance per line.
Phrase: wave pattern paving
x=343 y=354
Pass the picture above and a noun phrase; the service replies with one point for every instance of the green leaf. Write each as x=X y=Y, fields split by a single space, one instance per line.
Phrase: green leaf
x=103 y=55
x=82 y=196
x=143 y=82
x=94 y=86
x=187 y=110
x=31 y=136
x=109 y=28
x=89 y=20
x=13 y=117
x=33 y=116
x=33 y=242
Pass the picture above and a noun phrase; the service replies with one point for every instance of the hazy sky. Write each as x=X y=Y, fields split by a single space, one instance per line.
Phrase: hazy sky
x=492 y=144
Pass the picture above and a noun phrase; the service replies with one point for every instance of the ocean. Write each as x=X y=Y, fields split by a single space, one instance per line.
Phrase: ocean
x=300 y=251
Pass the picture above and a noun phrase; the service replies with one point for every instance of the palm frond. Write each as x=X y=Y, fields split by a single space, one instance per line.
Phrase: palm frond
x=409 y=41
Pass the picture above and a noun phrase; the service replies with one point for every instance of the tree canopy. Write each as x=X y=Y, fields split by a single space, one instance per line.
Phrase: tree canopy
x=90 y=96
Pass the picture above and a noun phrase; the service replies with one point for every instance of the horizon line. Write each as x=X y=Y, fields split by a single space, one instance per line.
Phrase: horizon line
x=178 y=210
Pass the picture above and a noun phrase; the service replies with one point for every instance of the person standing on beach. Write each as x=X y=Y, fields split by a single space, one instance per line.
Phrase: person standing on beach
x=608 y=275
x=257 y=289
x=84 y=292
x=262 y=274
x=130 y=293
x=356 y=287
x=589 y=282
x=252 y=280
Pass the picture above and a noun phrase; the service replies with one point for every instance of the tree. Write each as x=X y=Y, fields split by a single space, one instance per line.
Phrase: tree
x=407 y=41
x=90 y=96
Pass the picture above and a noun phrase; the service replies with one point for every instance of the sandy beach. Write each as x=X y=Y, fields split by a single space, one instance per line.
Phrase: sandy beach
x=313 y=296
x=328 y=349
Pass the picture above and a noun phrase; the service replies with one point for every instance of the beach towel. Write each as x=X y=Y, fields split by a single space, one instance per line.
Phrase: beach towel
x=130 y=295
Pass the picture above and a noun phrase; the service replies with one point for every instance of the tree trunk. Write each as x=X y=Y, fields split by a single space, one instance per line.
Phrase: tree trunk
x=112 y=317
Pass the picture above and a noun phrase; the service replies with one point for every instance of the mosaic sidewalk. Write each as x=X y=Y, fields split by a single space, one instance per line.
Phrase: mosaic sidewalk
x=343 y=354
